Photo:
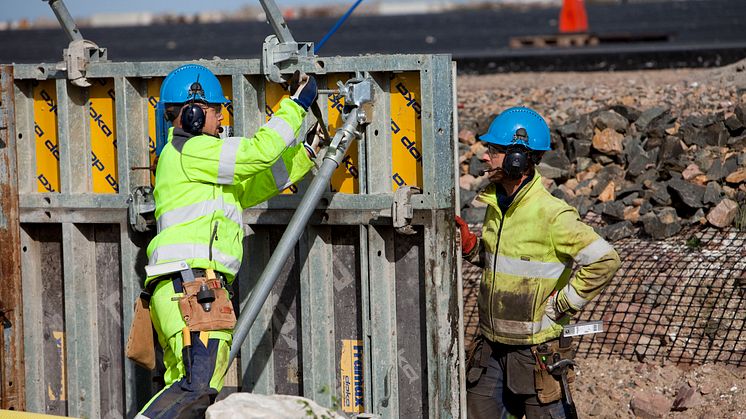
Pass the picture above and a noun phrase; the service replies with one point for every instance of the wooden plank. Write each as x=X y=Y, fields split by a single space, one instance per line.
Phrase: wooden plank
x=11 y=304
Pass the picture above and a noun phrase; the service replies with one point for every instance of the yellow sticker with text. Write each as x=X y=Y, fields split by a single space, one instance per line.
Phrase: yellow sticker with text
x=45 y=133
x=103 y=136
x=345 y=178
x=406 y=130
x=351 y=376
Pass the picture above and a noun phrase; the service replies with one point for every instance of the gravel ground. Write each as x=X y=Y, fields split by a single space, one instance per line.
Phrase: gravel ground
x=614 y=387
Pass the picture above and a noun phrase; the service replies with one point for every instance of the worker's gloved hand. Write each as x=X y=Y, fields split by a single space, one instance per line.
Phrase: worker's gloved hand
x=468 y=239
x=314 y=139
x=553 y=311
x=303 y=89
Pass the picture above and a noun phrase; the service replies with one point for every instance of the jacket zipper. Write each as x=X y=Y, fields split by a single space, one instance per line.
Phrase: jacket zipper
x=494 y=267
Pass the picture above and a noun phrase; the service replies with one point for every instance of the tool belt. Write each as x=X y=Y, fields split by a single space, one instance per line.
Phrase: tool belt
x=526 y=366
x=548 y=385
x=140 y=343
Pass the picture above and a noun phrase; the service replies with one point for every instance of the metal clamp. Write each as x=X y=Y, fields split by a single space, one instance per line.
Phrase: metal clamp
x=80 y=51
x=402 y=211
x=141 y=209
x=279 y=57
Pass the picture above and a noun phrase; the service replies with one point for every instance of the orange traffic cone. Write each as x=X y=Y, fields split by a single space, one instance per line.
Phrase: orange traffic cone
x=573 y=17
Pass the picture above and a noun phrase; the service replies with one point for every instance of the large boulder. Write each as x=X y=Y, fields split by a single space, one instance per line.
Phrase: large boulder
x=259 y=406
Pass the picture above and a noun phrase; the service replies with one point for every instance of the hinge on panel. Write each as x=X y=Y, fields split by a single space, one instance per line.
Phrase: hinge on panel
x=402 y=211
x=278 y=57
x=77 y=56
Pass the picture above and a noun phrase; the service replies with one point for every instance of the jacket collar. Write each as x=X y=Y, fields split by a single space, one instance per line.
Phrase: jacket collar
x=179 y=138
x=489 y=196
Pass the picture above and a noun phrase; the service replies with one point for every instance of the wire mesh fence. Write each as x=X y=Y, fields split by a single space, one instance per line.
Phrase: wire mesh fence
x=682 y=299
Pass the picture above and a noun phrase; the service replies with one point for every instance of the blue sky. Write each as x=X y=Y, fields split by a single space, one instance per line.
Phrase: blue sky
x=32 y=9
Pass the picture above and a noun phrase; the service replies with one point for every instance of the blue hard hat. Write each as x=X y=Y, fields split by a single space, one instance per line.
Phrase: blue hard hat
x=505 y=129
x=179 y=86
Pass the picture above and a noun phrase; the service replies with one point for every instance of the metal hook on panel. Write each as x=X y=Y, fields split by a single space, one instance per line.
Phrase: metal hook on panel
x=80 y=51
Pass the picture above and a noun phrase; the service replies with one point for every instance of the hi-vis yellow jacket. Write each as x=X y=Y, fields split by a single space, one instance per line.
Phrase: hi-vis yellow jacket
x=526 y=254
x=203 y=184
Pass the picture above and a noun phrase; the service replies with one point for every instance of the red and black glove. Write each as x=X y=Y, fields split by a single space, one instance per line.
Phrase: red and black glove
x=468 y=239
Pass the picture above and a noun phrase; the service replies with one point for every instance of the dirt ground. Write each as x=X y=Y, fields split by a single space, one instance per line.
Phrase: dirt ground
x=609 y=388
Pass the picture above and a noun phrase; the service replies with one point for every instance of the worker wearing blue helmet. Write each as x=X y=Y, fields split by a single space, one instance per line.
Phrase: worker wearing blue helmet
x=529 y=242
x=202 y=185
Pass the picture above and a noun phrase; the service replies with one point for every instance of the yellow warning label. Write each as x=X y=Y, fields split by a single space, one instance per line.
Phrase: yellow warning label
x=345 y=178
x=56 y=391
x=154 y=94
x=103 y=136
x=45 y=132
x=351 y=379
x=227 y=84
x=406 y=130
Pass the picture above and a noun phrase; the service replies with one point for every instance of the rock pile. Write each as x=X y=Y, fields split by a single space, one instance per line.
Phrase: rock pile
x=641 y=170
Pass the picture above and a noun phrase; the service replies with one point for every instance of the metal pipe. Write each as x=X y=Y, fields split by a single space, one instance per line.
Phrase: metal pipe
x=274 y=17
x=250 y=310
x=66 y=20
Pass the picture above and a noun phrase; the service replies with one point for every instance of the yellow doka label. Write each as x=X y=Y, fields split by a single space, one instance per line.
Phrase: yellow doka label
x=45 y=133
x=154 y=95
x=227 y=84
x=103 y=136
x=345 y=178
x=351 y=376
x=406 y=130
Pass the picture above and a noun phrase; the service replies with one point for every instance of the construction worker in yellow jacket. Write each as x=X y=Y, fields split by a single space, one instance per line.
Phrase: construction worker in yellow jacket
x=202 y=185
x=529 y=242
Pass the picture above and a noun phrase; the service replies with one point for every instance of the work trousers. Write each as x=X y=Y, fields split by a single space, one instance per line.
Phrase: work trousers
x=505 y=389
x=189 y=389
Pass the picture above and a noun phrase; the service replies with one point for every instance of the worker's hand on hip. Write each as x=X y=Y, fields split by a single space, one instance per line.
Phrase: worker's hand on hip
x=468 y=239
x=551 y=309
x=314 y=139
x=303 y=89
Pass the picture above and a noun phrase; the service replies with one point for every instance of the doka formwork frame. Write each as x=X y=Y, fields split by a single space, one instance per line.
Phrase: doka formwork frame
x=75 y=208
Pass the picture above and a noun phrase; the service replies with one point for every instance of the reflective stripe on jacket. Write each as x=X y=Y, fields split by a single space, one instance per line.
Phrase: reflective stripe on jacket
x=526 y=255
x=204 y=183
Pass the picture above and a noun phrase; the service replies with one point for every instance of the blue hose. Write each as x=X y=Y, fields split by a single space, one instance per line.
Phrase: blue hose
x=336 y=26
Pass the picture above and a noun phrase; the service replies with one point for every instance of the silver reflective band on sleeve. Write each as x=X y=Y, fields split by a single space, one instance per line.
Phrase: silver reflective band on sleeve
x=593 y=252
x=227 y=163
x=283 y=128
x=171 y=252
x=526 y=268
x=576 y=301
x=191 y=212
x=281 y=175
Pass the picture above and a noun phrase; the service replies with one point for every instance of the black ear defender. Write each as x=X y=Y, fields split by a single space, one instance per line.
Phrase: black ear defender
x=192 y=115
x=516 y=158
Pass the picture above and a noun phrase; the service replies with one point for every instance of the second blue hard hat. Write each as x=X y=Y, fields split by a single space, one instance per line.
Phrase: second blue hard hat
x=178 y=86
x=504 y=129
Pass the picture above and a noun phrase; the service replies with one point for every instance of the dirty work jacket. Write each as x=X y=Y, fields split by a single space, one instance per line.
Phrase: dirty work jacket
x=203 y=184
x=526 y=254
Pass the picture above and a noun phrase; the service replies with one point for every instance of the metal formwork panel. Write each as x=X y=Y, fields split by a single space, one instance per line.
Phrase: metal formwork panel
x=363 y=318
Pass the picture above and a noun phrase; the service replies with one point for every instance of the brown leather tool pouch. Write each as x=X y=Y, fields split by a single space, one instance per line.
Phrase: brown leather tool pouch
x=548 y=386
x=140 y=344
x=220 y=316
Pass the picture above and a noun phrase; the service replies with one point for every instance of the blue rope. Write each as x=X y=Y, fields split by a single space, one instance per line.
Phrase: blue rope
x=336 y=26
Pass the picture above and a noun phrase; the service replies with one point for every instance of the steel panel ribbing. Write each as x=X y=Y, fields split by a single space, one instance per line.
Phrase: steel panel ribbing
x=317 y=311
x=11 y=307
x=81 y=319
